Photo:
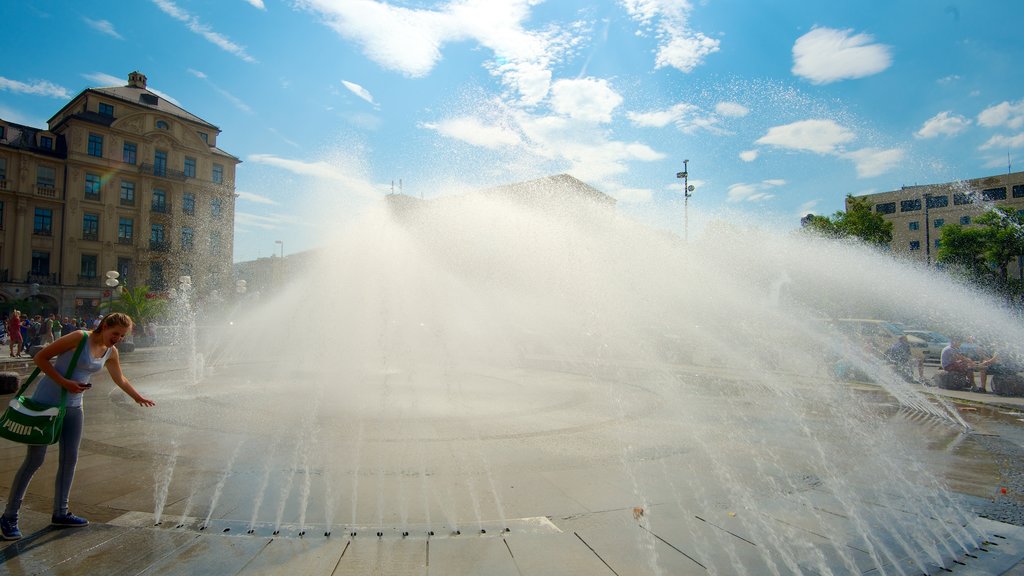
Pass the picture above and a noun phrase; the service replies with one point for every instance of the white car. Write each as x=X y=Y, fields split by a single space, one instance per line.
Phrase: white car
x=934 y=342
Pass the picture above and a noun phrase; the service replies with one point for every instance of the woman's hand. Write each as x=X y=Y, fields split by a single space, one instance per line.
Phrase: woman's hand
x=76 y=387
x=144 y=402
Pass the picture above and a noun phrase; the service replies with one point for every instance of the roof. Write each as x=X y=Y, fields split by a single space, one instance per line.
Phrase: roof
x=24 y=138
x=549 y=188
x=138 y=97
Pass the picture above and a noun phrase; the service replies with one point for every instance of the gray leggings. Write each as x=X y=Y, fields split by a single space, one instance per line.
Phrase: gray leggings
x=70 y=438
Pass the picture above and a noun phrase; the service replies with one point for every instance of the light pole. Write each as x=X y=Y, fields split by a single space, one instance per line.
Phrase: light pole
x=927 y=229
x=281 y=242
x=112 y=282
x=687 y=192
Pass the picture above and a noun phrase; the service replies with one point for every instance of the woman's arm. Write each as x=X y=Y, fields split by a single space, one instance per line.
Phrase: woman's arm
x=114 y=368
x=54 y=349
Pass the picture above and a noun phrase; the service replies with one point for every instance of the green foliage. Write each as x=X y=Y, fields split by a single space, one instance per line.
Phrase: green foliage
x=857 y=222
x=135 y=303
x=983 y=253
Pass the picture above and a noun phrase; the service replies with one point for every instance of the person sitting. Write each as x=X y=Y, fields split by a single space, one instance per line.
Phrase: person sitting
x=954 y=361
x=900 y=354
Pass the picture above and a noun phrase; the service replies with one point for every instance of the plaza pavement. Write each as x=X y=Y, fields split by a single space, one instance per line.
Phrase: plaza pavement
x=114 y=488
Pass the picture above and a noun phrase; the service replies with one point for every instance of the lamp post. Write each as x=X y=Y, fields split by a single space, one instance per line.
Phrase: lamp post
x=281 y=242
x=112 y=282
x=927 y=230
x=687 y=192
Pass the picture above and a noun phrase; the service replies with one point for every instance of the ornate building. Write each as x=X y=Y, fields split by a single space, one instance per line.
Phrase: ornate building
x=121 y=180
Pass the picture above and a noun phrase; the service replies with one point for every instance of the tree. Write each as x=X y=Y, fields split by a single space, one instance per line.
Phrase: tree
x=983 y=253
x=857 y=222
x=136 y=303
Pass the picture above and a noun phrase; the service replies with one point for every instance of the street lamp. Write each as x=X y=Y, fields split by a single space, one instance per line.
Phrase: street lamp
x=281 y=242
x=112 y=282
x=687 y=192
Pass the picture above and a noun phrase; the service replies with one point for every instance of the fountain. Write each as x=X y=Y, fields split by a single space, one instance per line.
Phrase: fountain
x=498 y=369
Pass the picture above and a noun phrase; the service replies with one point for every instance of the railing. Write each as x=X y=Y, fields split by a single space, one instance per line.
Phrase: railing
x=46 y=191
x=43 y=232
x=159 y=246
x=164 y=172
x=49 y=279
x=125 y=240
x=86 y=280
x=94 y=196
x=163 y=208
x=90 y=236
x=127 y=202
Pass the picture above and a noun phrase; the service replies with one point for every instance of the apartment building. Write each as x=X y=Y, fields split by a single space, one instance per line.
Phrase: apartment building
x=121 y=180
x=918 y=213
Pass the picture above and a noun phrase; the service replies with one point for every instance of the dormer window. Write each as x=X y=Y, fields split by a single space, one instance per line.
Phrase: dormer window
x=46 y=142
x=160 y=124
x=106 y=110
x=205 y=137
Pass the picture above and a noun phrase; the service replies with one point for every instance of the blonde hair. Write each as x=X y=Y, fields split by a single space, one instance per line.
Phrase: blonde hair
x=115 y=319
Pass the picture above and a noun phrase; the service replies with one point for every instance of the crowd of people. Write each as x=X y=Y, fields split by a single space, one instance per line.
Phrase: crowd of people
x=22 y=332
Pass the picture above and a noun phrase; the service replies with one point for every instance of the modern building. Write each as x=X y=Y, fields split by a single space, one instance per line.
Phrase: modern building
x=918 y=213
x=121 y=180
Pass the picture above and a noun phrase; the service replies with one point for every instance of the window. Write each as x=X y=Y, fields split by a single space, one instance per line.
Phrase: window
x=1 y=215
x=205 y=137
x=90 y=226
x=215 y=207
x=124 y=266
x=92 y=186
x=3 y=168
x=46 y=177
x=190 y=167
x=40 y=263
x=937 y=201
x=125 y=230
x=218 y=174
x=106 y=109
x=994 y=194
x=887 y=208
x=188 y=203
x=1018 y=190
x=160 y=163
x=88 y=266
x=159 y=201
x=156 y=276
x=127 y=193
x=130 y=153
x=46 y=142
x=42 y=224
x=214 y=243
x=160 y=124
x=915 y=245
x=95 y=145
x=939 y=222
x=960 y=198
x=157 y=238
x=186 y=238
x=3 y=132
x=965 y=220
x=914 y=225
x=910 y=205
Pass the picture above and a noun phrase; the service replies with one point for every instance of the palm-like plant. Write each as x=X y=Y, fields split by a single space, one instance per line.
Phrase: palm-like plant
x=136 y=303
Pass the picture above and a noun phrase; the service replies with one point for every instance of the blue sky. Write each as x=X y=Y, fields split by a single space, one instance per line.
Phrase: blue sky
x=782 y=108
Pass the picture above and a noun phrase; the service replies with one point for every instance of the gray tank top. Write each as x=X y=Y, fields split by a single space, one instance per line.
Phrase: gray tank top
x=48 y=392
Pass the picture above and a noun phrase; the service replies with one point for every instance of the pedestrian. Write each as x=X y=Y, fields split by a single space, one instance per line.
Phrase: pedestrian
x=99 y=352
x=47 y=330
x=953 y=360
x=56 y=328
x=14 y=333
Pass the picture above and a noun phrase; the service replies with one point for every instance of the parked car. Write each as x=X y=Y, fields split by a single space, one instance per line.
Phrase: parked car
x=934 y=341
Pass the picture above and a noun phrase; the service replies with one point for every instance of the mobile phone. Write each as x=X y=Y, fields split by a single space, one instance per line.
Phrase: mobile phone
x=87 y=384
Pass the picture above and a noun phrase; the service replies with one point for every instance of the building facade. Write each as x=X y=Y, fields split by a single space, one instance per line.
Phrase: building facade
x=918 y=213
x=121 y=180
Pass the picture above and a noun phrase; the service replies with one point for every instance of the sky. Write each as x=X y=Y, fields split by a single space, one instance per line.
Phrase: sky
x=782 y=108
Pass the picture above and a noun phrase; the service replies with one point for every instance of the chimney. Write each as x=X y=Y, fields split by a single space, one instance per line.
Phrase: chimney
x=137 y=80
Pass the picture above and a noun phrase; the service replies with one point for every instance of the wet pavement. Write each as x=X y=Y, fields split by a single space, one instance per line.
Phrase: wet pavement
x=573 y=511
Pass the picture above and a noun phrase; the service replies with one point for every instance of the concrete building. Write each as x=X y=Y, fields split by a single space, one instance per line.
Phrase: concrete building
x=918 y=213
x=121 y=180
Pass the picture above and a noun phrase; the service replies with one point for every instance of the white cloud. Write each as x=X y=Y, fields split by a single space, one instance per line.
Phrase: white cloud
x=409 y=40
x=197 y=73
x=358 y=91
x=235 y=100
x=731 y=109
x=320 y=170
x=821 y=136
x=1003 y=142
x=806 y=208
x=631 y=195
x=826 y=55
x=254 y=198
x=103 y=27
x=756 y=192
x=749 y=155
x=1008 y=114
x=473 y=131
x=587 y=99
x=662 y=118
x=36 y=87
x=872 y=162
x=193 y=24
x=943 y=124
x=679 y=47
x=948 y=79
x=257 y=4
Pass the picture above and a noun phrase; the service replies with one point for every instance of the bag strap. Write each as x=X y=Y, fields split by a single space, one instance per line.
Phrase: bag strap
x=70 y=370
